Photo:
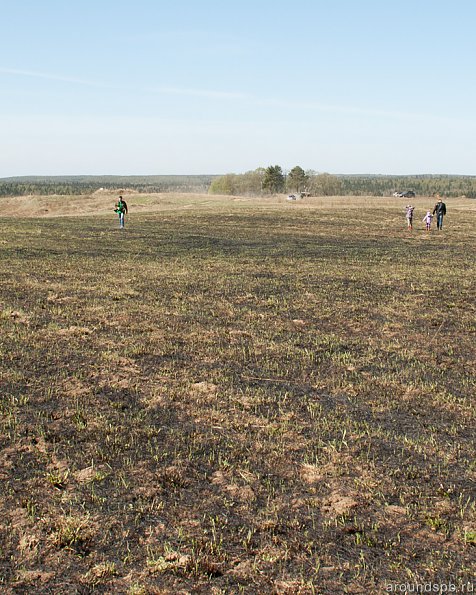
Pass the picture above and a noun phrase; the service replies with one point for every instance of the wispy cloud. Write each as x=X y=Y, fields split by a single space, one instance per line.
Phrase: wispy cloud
x=211 y=94
x=54 y=77
x=298 y=105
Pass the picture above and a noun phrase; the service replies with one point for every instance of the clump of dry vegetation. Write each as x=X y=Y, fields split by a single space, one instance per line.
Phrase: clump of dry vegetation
x=251 y=398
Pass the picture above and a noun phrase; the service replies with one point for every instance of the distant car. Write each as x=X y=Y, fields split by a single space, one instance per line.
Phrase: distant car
x=406 y=194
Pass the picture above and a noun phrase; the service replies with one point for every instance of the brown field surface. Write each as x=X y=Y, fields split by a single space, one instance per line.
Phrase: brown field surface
x=102 y=203
x=236 y=395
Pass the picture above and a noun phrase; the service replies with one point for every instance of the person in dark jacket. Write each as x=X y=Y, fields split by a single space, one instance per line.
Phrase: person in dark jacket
x=440 y=212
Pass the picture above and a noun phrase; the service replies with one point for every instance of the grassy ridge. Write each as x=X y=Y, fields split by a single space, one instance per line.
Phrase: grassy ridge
x=237 y=399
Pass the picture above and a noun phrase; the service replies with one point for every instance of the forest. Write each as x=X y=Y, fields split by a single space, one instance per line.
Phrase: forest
x=261 y=181
x=75 y=185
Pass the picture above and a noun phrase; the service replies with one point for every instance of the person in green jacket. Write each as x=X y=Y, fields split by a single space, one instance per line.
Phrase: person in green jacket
x=121 y=210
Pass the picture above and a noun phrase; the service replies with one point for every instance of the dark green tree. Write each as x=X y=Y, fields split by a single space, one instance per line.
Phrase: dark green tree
x=297 y=179
x=273 y=179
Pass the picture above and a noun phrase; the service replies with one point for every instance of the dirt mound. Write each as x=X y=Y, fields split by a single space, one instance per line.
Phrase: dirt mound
x=56 y=206
x=101 y=202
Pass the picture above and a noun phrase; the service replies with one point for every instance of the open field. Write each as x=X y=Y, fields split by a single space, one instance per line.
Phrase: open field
x=235 y=396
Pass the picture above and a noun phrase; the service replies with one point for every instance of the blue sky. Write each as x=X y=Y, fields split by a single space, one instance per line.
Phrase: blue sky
x=144 y=87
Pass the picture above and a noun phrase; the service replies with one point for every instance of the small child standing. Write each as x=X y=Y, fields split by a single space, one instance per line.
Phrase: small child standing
x=409 y=215
x=428 y=219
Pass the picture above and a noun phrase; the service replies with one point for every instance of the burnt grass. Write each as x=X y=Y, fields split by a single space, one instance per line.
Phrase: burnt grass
x=236 y=400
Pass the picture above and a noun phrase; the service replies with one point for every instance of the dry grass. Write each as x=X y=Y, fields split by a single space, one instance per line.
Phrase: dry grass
x=236 y=396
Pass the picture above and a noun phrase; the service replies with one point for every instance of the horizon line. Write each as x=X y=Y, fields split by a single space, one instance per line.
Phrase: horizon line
x=285 y=170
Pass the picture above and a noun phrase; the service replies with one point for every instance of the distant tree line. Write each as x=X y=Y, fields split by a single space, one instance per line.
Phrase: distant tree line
x=75 y=185
x=261 y=181
x=274 y=180
x=423 y=185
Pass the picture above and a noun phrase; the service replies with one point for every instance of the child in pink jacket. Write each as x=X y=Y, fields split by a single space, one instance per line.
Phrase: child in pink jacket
x=427 y=219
